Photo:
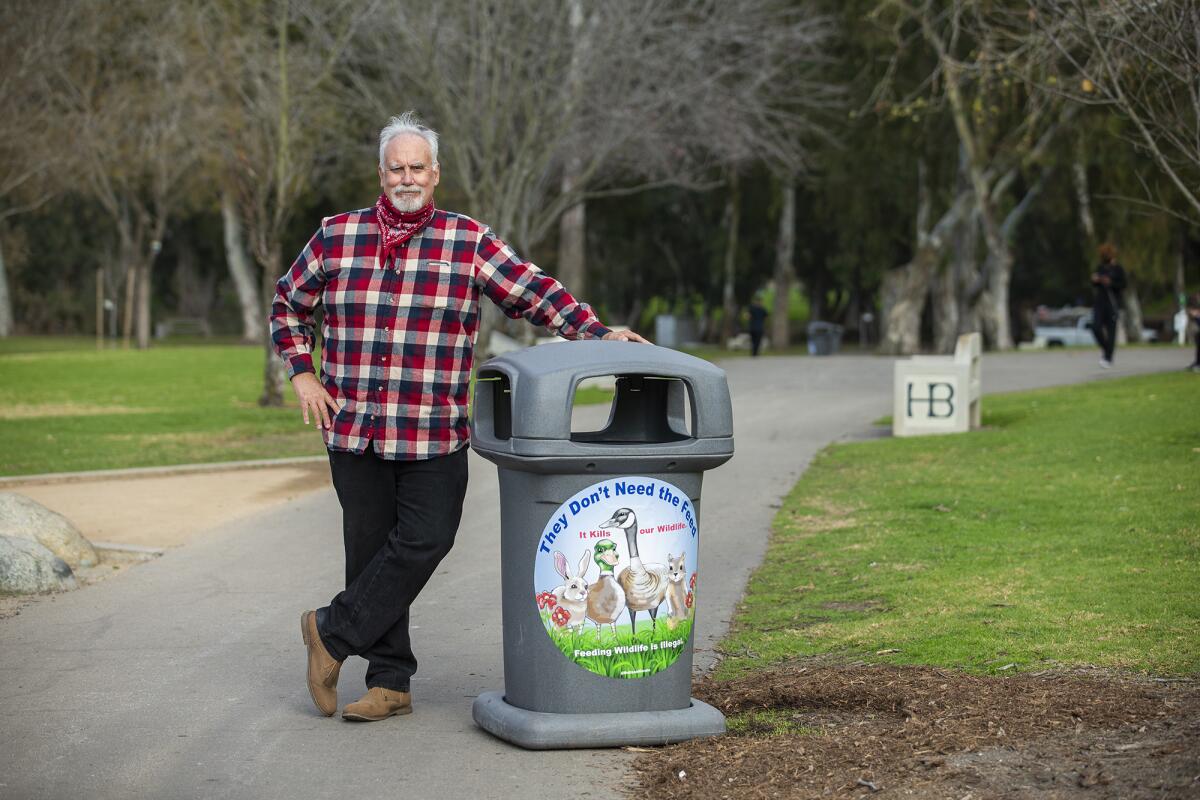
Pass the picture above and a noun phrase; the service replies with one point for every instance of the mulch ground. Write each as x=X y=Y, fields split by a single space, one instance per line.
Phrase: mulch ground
x=882 y=731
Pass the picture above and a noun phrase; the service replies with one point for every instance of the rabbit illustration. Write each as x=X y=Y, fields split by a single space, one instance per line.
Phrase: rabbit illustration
x=573 y=594
x=676 y=588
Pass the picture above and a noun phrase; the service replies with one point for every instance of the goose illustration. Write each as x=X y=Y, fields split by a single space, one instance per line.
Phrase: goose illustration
x=645 y=585
x=606 y=598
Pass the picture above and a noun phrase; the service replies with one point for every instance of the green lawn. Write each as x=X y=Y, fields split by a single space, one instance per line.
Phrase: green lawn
x=64 y=406
x=1067 y=532
x=81 y=409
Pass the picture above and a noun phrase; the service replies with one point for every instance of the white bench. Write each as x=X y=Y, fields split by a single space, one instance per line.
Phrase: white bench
x=938 y=394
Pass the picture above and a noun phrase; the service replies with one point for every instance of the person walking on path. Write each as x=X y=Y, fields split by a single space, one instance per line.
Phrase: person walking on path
x=1108 y=281
x=758 y=324
x=401 y=284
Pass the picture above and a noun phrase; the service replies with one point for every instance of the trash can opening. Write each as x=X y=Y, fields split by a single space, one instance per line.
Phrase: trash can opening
x=645 y=409
x=493 y=392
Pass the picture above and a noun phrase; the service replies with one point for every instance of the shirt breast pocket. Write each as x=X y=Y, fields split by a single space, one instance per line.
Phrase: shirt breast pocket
x=442 y=285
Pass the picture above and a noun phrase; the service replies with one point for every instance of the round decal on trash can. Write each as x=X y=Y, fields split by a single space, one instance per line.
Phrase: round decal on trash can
x=614 y=576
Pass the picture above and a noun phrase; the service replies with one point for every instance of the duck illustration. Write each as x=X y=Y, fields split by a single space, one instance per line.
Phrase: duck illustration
x=606 y=598
x=645 y=585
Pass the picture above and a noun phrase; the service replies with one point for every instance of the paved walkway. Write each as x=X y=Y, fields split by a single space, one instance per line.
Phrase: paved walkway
x=184 y=678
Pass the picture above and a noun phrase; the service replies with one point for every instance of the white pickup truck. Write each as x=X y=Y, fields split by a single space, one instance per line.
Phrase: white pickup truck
x=1074 y=335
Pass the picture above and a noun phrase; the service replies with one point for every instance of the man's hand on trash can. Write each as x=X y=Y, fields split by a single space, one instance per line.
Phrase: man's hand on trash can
x=623 y=336
x=312 y=396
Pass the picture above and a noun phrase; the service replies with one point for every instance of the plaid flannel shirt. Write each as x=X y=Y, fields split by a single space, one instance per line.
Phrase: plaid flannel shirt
x=398 y=337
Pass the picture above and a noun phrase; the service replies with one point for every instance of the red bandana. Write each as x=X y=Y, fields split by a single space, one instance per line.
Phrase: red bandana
x=397 y=227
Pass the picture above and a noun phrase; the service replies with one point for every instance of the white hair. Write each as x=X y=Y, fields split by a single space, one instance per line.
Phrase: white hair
x=406 y=123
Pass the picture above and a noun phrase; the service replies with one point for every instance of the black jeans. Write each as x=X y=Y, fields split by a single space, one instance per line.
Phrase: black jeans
x=1104 y=328
x=399 y=519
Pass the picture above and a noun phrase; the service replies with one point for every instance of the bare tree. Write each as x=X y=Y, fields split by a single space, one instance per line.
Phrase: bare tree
x=545 y=105
x=29 y=37
x=1002 y=129
x=128 y=90
x=1141 y=59
x=282 y=126
x=769 y=101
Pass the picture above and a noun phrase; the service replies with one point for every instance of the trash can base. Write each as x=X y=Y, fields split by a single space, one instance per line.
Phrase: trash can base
x=538 y=730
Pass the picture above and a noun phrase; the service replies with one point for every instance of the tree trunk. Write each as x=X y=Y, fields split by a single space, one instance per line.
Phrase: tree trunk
x=785 y=252
x=572 y=236
x=993 y=310
x=130 y=295
x=241 y=269
x=733 y=216
x=1083 y=197
x=993 y=302
x=572 y=225
x=904 y=293
x=275 y=380
x=1132 y=318
x=143 y=301
x=943 y=298
x=1180 y=284
x=6 y=309
x=949 y=285
x=906 y=288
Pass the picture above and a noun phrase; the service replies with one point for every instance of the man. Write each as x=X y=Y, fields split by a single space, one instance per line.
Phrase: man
x=1109 y=281
x=400 y=284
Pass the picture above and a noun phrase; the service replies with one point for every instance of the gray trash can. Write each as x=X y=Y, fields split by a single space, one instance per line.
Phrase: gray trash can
x=666 y=330
x=599 y=542
x=824 y=338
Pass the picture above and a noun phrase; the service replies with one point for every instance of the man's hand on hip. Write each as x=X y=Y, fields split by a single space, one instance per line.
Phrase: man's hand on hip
x=623 y=336
x=313 y=397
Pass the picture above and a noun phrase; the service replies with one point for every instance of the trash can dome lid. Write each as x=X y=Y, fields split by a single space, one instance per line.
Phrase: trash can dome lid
x=591 y=357
x=542 y=381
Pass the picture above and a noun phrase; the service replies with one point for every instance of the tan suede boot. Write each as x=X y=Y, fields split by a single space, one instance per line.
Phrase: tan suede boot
x=323 y=669
x=378 y=703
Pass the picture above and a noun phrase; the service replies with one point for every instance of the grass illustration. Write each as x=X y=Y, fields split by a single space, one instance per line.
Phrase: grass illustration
x=623 y=654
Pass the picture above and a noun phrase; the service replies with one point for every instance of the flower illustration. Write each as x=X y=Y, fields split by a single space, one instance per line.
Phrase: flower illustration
x=691 y=596
x=560 y=616
x=692 y=582
x=546 y=600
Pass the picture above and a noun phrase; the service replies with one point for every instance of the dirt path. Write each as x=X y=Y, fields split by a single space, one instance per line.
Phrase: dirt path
x=154 y=513
x=168 y=511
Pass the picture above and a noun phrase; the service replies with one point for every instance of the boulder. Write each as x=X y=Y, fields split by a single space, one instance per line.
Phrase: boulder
x=27 y=567
x=23 y=518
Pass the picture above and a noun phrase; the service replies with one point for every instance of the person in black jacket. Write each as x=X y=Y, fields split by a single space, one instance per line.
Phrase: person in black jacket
x=1109 y=281
x=758 y=324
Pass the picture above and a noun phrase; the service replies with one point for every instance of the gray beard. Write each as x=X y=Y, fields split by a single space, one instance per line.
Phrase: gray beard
x=407 y=201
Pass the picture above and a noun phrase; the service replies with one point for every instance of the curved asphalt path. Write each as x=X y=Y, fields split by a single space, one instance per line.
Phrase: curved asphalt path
x=184 y=677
